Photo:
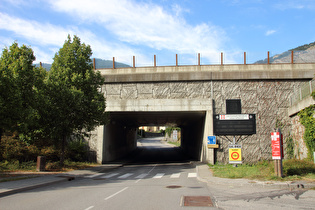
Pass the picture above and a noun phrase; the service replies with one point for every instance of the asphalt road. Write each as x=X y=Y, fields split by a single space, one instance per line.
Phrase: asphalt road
x=158 y=177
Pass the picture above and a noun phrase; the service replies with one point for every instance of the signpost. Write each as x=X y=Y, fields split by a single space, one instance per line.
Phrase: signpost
x=235 y=154
x=277 y=151
x=175 y=137
x=234 y=124
x=212 y=142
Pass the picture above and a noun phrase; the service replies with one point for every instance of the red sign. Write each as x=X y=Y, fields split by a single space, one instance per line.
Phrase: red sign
x=276 y=144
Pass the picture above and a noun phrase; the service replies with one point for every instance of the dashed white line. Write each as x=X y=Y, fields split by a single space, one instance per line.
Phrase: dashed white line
x=158 y=176
x=175 y=175
x=116 y=193
x=91 y=207
x=93 y=175
x=125 y=176
x=192 y=175
x=141 y=176
x=109 y=175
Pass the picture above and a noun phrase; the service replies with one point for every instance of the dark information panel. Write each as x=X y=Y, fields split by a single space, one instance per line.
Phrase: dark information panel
x=234 y=126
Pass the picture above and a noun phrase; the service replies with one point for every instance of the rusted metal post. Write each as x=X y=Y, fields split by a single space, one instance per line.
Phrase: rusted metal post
x=292 y=57
x=94 y=67
x=244 y=57
x=221 y=58
x=198 y=59
x=176 y=60
x=268 y=57
x=154 y=60
x=113 y=62
x=134 y=61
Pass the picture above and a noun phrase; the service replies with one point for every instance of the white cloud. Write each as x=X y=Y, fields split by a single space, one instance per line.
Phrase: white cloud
x=146 y=24
x=46 y=39
x=270 y=32
x=43 y=33
x=293 y=4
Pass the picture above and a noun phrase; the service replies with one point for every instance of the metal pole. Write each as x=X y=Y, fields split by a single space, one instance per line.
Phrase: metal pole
x=234 y=142
x=198 y=59
x=134 y=61
x=244 y=57
x=176 y=60
x=113 y=62
x=154 y=60
x=221 y=58
x=268 y=56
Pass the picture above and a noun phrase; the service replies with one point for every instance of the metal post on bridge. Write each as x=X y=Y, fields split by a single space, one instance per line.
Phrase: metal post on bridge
x=154 y=60
x=134 y=61
x=244 y=57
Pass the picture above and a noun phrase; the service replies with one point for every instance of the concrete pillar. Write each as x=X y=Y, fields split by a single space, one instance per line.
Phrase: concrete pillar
x=207 y=155
x=100 y=144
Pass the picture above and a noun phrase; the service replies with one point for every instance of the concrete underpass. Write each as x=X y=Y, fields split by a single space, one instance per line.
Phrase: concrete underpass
x=120 y=135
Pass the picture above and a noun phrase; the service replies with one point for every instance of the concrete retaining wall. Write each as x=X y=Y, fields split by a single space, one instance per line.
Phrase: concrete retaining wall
x=268 y=99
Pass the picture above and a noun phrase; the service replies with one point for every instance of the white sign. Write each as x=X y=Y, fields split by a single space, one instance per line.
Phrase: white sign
x=234 y=117
x=175 y=134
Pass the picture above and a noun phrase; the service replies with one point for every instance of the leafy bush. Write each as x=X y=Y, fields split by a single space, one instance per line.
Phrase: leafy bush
x=12 y=148
x=77 y=150
x=307 y=119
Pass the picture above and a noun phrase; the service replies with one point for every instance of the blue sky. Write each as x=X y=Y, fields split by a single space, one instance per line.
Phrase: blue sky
x=144 y=28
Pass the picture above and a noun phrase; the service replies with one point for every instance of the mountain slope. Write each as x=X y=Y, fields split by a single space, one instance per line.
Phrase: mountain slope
x=99 y=64
x=302 y=54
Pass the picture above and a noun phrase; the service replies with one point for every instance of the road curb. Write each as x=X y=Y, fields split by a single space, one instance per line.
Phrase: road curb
x=31 y=187
x=204 y=175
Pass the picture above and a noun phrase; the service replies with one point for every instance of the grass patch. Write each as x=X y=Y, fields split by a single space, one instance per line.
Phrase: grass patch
x=176 y=143
x=264 y=170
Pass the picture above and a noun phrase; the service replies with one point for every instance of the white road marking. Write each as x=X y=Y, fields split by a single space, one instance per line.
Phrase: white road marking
x=91 y=207
x=158 y=176
x=125 y=176
x=141 y=176
x=116 y=193
x=109 y=175
x=175 y=175
x=152 y=168
x=191 y=175
x=93 y=175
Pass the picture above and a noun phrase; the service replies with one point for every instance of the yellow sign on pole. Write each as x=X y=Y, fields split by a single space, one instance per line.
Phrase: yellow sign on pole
x=235 y=154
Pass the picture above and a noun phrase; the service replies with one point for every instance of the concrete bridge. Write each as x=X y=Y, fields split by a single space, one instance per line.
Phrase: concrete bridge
x=189 y=96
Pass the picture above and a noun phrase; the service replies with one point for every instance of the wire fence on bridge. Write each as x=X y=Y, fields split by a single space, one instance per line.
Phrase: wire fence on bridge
x=223 y=58
x=304 y=91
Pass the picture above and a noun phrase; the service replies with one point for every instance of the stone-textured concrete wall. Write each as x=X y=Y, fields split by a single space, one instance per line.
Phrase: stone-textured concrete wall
x=300 y=150
x=268 y=99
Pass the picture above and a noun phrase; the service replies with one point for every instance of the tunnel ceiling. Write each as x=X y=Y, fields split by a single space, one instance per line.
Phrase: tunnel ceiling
x=136 y=119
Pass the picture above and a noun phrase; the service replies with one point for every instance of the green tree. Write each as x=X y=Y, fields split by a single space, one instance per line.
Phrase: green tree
x=19 y=81
x=76 y=104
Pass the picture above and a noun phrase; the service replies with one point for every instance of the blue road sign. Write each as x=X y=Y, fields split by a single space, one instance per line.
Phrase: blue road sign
x=212 y=140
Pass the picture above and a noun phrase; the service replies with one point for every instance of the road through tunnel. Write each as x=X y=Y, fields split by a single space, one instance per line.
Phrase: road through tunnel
x=120 y=136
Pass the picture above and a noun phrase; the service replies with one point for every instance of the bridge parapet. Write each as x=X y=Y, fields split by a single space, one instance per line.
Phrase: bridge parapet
x=210 y=72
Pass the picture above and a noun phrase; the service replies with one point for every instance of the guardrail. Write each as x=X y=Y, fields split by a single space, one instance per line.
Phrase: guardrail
x=304 y=91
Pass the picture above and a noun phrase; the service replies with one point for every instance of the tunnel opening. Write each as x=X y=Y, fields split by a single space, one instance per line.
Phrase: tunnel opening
x=154 y=148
